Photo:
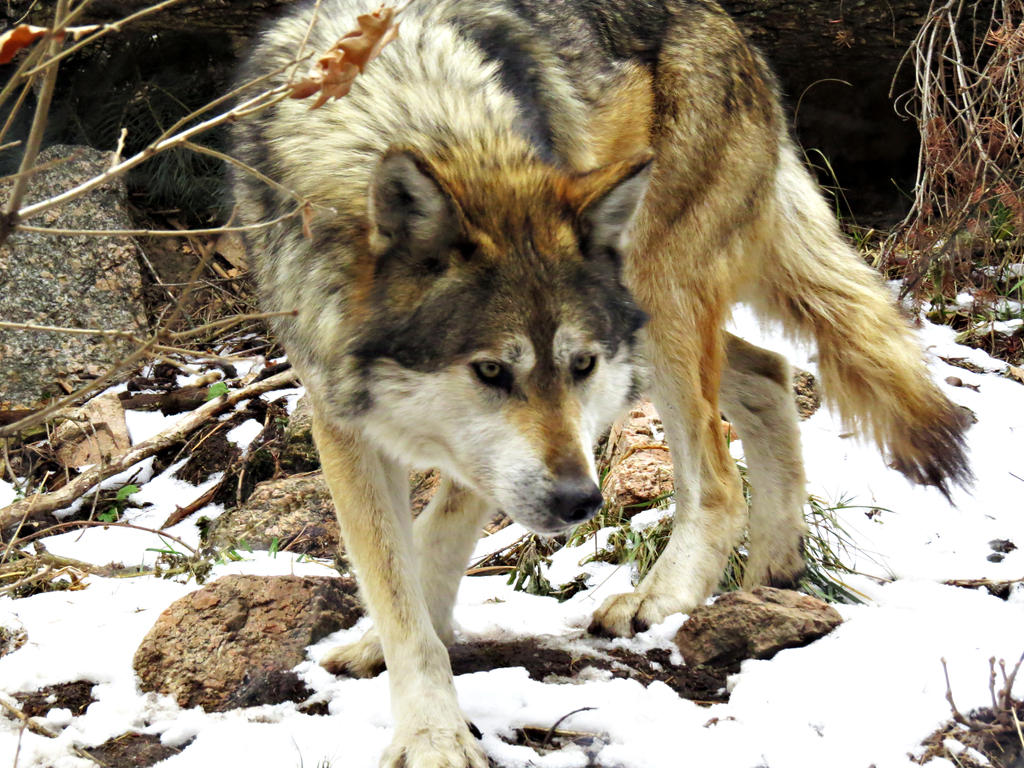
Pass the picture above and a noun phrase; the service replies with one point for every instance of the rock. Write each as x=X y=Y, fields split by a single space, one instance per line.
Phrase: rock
x=299 y=453
x=805 y=388
x=297 y=511
x=422 y=486
x=753 y=625
x=232 y=642
x=68 y=281
x=637 y=459
x=11 y=638
x=92 y=433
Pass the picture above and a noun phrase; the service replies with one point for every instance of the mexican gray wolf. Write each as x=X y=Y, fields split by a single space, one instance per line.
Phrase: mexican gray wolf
x=526 y=213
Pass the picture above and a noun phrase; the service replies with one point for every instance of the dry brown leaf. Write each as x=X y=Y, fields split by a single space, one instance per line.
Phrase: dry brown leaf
x=333 y=73
x=13 y=40
x=23 y=35
x=307 y=221
x=1017 y=373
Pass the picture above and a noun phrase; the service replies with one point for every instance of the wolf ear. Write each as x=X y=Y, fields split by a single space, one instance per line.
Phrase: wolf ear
x=608 y=200
x=407 y=204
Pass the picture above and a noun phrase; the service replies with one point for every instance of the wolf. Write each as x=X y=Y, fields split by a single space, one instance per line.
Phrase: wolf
x=526 y=213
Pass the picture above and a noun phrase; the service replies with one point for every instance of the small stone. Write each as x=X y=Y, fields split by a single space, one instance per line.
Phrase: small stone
x=753 y=625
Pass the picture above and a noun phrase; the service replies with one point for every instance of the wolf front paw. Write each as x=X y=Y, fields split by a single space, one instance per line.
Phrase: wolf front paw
x=364 y=658
x=431 y=746
x=627 y=614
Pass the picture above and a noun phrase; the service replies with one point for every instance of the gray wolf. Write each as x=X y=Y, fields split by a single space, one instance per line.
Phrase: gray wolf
x=527 y=212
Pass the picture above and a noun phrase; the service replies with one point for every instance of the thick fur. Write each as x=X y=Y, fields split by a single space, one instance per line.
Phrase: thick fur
x=526 y=212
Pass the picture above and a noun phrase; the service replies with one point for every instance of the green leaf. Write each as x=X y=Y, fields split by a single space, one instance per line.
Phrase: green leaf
x=216 y=390
x=125 y=491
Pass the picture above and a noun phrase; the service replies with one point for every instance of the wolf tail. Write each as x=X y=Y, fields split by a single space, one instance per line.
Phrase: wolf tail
x=870 y=364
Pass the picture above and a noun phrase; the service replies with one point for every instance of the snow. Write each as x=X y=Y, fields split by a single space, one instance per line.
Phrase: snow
x=867 y=694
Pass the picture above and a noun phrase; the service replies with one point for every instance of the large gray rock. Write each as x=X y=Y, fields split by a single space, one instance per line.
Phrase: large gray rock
x=233 y=642
x=68 y=281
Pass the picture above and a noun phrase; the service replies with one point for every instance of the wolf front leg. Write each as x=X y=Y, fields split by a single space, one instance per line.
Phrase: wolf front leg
x=370 y=496
x=684 y=346
x=443 y=539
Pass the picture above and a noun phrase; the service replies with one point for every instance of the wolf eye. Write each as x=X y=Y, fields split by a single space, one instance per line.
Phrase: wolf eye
x=583 y=366
x=493 y=374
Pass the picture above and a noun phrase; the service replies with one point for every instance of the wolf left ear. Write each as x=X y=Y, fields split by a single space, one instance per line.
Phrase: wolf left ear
x=608 y=200
x=407 y=204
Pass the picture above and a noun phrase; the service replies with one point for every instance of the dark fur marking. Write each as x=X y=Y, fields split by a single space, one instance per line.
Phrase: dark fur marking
x=633 y=31
x=520 y=75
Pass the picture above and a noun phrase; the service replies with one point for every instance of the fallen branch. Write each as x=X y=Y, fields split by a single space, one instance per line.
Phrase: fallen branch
x=37 y=505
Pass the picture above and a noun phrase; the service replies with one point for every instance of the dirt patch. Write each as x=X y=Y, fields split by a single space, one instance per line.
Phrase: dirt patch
x=133 y=750
x=699 y=684
x=76 y=696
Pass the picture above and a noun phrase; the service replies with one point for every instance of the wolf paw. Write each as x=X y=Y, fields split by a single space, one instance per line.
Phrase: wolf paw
x=627 y=614
x=782 y=569
x=364 y=658
x=431 y=746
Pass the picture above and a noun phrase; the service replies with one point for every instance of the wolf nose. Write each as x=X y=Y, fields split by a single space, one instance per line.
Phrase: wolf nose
x=576 y=501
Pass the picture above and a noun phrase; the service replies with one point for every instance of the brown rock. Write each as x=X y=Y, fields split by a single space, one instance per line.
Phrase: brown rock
x=637 y=460
x=753 y=625
x=232 y=642
x=297 y=511
x=92 y=433
x=805 y=389
x=299 y=453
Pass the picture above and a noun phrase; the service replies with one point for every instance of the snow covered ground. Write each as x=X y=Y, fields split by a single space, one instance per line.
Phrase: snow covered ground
x=865 y=695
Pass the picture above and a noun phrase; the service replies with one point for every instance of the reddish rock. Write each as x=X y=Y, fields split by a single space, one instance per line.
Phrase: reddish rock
x=753 y=625
x=232 y=642
x=637 y=459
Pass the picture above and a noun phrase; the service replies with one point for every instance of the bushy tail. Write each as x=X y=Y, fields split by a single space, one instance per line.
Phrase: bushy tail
x=870 y=364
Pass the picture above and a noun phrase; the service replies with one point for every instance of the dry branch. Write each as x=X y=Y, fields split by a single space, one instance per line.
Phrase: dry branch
x=38 y=505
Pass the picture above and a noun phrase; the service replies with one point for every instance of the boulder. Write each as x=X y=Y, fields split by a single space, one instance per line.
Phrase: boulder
x=76 y=281
x=233 y=642
x=637 y=459
x=753 y=625
x=297 y=511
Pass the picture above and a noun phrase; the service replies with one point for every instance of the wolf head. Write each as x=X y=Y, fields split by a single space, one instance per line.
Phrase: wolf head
x=499 y=339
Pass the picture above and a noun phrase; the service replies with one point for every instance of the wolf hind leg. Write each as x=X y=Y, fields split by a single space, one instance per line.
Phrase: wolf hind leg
x=684 y=344
x=756 y=396
x=443 y=539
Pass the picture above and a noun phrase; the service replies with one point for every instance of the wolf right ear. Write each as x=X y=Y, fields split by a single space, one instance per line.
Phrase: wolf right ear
x=407 y=204
x=608 y=200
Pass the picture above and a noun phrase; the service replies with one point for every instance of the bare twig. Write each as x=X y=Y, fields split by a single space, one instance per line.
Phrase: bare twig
x=43 y=503
x=260 y=101
x=51 y=42
x=159 y=232
x=114 y=26
x=30 y=722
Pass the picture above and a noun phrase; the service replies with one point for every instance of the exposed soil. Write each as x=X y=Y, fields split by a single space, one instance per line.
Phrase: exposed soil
x=133 y=750
x=76 y=696
x=700 y=684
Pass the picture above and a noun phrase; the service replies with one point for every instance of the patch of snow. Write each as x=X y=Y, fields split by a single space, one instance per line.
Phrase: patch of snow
x=244 y=434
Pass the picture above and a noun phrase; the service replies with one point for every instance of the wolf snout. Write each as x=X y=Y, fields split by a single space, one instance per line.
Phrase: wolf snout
x=575 y=501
